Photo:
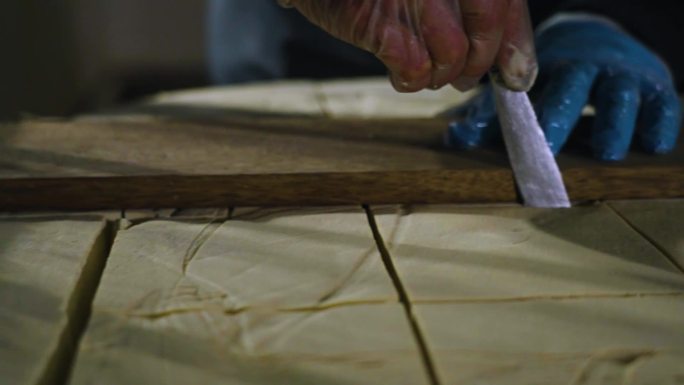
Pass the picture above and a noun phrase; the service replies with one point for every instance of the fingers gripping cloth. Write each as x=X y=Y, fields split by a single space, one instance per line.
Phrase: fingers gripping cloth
x=587 y=60
x=433 y=43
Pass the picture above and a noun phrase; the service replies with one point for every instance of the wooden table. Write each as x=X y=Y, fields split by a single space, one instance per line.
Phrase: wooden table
x=398 y=294
x=186 y=150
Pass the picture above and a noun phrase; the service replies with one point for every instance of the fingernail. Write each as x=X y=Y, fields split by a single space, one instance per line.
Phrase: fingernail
x=521 y=71
x=466 y=83
x=398 y=83
x=461 y=136
x=520 y=81
x=401 y=84
x=440 y=76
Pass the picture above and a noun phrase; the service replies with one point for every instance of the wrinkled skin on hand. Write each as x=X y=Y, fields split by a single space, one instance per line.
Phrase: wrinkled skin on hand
x=591 y=62
x=432 y=43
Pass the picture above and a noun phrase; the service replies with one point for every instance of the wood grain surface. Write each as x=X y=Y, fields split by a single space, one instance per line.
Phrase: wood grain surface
x=199 y=157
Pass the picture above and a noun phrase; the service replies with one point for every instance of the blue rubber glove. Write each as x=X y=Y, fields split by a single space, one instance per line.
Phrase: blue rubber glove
x=590 y=62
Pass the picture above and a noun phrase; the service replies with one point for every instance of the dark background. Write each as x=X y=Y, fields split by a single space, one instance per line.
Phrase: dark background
x=61 y=56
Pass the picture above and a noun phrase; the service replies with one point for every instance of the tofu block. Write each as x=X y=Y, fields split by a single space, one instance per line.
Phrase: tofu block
x=48 y=268
x=589 y=341
x=271 y=296
x=480 y=253
x=661 y=221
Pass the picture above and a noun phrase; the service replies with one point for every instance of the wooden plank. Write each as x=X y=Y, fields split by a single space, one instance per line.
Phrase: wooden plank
x=204 y=159
x=108 y=215
x=501 y=253
x=585 y=341
x=660 y=221
x=291 y=297
x=48 y=270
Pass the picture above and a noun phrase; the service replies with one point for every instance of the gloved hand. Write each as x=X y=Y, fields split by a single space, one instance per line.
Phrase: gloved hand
x=591 y=61
x=431 y=43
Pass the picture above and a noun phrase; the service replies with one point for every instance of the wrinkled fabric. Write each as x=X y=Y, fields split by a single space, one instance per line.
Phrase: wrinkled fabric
x=432 y=43
x=591 y=62
x=537 y=175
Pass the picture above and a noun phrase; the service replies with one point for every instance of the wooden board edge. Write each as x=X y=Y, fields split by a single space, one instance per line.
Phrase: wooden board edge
x=325 y=189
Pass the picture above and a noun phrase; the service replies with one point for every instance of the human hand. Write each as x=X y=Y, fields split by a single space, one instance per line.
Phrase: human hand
x=432 y=43
x=583 y=62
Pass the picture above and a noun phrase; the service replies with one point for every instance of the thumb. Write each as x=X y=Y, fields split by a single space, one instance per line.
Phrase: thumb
x=517 y=60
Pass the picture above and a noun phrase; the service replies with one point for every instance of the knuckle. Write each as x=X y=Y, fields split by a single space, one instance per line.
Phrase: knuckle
x=456 y=53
